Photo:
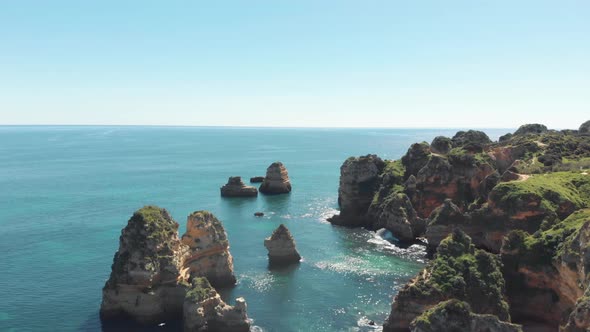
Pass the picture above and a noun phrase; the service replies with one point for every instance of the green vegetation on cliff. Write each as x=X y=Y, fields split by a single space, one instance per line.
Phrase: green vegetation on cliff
x=542 y=248
x=199 y=291
x=461 y=271
x=560 y=192
x=391 y=180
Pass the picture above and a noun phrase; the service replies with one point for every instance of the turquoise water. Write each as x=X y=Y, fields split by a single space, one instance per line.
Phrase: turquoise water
x=66 y=192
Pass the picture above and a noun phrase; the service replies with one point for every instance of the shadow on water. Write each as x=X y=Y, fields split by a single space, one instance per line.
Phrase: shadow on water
x=94 y=323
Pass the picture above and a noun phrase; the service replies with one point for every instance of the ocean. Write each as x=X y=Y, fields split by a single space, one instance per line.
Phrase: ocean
x=67 y=191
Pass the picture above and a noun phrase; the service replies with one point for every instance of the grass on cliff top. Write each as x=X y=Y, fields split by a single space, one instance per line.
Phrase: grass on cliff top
x=200 y=290
x=552 y=188
x=157 y=221
x=543 y=247
x=461 y=271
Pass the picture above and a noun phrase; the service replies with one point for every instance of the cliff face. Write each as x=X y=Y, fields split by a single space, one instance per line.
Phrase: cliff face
x=458 y=271
x=531 y=183
x=209 y=249
x=152 y=268
x=359 y=179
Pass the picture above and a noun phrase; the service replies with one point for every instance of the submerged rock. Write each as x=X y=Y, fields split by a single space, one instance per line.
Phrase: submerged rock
x=281 y=247
x=259 y=214
x=210 y=256
x=204 y=310
x=143 y=284
x=257 y=179
x=236 y=188
x=276 y=180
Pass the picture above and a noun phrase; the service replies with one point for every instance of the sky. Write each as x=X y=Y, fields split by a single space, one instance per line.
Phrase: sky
x=304 y=63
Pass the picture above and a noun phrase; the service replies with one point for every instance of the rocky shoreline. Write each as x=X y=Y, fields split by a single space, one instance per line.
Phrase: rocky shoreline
x=507 y=224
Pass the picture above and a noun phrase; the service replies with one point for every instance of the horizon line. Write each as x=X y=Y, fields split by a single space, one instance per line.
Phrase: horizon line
x=245 y=126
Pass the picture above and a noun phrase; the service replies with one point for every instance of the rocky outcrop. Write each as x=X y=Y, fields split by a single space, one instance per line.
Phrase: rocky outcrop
x=456 y=316
x=458 y=271
x=235 y=187
x=397 y=215
x=209 y=249
x=281 y=247
x=276 y=180
x=417 y=157
x=257 y=179
x=359 y=180
x=151 y=269
x=441 y=145
x=204 y=310
x=585 y=128
x=471 y=140
x=533 y=128
x=579 y=319
x=146 y=271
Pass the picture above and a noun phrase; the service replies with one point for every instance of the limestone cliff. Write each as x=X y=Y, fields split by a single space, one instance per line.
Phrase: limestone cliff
x=458 y=271
x=359 y=179
x=276 y=180
x=209 y=247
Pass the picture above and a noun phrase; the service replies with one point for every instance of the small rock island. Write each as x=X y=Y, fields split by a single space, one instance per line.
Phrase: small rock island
x=281 y=247
x=235 y=187
x=276 y=180
x=156 y=276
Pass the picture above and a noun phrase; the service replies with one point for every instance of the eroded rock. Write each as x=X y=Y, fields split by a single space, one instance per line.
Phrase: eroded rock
x=276 y=180
x=235 y=187
x=281 y=247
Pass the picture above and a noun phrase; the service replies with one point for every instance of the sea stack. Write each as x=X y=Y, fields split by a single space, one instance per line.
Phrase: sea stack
x=276 y=180
x=144 y=283
x=281 y=247
x=153 y=266
x=235 y=187
x=210 y=256
x=204 y=310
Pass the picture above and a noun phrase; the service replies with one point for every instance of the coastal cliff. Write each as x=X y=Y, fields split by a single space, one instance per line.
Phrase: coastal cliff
x=517 y=208
x=153 y=268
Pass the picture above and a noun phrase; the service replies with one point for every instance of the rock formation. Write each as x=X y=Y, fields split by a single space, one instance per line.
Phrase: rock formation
x=144 y=282
x=257 y=179
x=517 y=198
x=236 y=188
x=359 y=179
x=281 y=247
x=458 y=271
x=276 y=180
x=533 y=128
x=259 y=214
x=151 y=269
x=585 y=127
x=204 y=310
x=210 y=256
x=441 y=145
x=456 y=316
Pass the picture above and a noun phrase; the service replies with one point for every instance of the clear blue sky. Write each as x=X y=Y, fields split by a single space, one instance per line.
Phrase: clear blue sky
x=296 y=63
